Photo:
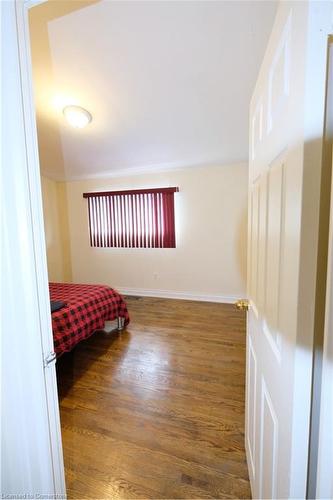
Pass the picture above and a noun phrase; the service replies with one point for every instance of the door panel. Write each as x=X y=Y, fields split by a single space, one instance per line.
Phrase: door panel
x=254 y=240
x=251 y=414
x=261 y=297
x=279 y=77
x=274 y=236
x=273 y=239
x=268 y=445
x=279 y=342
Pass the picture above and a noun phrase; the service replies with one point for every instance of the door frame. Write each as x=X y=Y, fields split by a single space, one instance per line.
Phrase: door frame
x=34 y=187
x=325 y=451
x=324 y=479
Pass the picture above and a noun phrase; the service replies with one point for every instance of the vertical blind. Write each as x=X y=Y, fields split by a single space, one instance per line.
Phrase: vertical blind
x=142 y=218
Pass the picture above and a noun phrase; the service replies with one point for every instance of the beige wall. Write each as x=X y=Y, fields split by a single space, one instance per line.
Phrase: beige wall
x=211 y=226
x=56 y=230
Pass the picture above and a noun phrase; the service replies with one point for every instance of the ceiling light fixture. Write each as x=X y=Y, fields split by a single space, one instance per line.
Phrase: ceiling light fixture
x=76 y=116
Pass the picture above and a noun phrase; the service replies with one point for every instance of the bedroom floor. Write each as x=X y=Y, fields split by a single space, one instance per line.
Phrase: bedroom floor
x=158 y=410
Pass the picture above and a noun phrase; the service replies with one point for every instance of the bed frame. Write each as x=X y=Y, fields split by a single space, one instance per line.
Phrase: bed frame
x=120 y=324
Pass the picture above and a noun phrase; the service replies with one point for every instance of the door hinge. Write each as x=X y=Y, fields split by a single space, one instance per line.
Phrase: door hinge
x=49 y=359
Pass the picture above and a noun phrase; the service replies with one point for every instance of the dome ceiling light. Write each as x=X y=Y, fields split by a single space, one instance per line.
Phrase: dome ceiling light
x=76 y=116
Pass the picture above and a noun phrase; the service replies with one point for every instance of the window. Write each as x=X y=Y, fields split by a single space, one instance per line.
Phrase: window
x=143 y=218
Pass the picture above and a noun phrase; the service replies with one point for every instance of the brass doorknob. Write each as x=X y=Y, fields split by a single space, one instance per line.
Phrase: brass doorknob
x=242 y=305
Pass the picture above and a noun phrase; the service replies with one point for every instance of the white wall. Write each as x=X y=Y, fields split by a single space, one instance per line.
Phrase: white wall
x=211 y=225
x=56 y=229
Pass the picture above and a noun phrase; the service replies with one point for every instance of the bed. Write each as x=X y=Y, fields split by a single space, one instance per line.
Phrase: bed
x=86 y=310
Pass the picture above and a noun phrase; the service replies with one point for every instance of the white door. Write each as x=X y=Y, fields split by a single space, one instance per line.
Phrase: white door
x=286 y=126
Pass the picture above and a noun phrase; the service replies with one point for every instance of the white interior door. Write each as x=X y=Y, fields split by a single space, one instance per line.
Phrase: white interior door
x=286 y=124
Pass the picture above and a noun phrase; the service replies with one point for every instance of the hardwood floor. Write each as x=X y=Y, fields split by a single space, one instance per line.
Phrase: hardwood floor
x=158 y=410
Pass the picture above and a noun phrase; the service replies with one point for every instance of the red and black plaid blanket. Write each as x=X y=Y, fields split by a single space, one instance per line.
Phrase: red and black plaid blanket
x=87 y=308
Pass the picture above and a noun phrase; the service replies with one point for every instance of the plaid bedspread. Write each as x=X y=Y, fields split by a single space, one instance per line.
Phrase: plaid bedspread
x=87 y=309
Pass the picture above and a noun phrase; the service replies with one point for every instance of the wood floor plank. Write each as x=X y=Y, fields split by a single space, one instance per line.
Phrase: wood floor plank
x=158 y=410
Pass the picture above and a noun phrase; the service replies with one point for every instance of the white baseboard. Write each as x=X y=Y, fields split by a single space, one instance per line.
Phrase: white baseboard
x=168 y=294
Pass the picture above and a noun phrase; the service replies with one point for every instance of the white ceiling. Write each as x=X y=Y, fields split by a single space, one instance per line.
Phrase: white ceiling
x=168 y=83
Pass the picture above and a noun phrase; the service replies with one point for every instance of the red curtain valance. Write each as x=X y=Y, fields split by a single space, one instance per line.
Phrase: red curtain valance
x=132 y=191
